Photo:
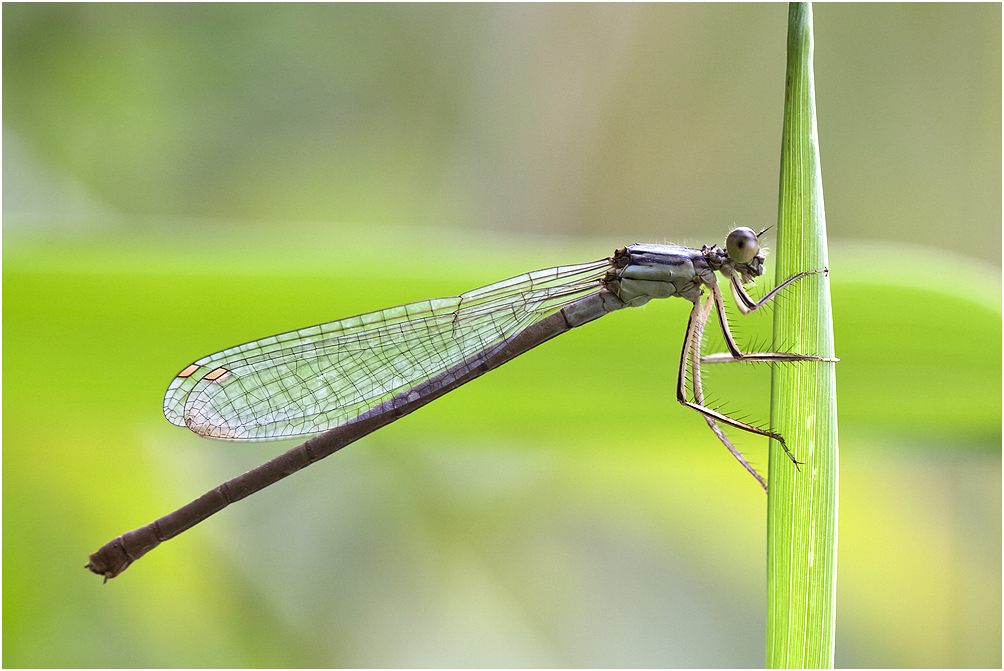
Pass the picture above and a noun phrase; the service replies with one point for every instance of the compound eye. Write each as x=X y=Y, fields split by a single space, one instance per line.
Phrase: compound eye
x=742 y=245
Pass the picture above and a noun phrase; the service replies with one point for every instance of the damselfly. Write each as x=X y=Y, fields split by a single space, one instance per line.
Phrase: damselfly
x=350 y=377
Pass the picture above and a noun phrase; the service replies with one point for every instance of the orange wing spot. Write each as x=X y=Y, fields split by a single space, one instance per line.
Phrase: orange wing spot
x=189 y=370
x=217 y=375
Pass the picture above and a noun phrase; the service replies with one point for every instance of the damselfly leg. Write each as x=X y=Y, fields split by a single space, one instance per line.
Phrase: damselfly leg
x=692 y=352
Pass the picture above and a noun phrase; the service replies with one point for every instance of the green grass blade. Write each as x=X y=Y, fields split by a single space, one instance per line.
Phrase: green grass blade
x=802 y=504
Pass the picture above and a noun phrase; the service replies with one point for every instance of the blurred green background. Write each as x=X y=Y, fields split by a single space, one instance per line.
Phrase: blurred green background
x=181 y=178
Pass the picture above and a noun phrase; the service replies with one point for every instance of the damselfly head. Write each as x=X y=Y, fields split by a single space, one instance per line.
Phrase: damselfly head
x=742 y=245
x=742 y=255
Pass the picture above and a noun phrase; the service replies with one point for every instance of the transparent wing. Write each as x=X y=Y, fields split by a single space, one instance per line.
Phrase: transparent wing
x=316 y=378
